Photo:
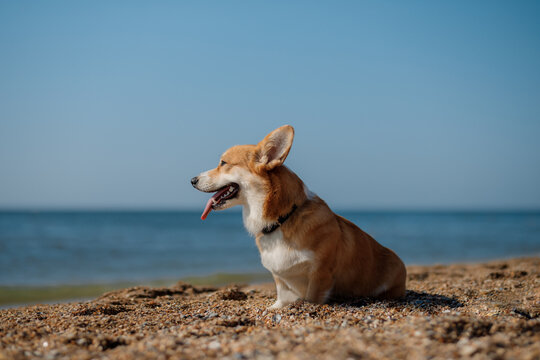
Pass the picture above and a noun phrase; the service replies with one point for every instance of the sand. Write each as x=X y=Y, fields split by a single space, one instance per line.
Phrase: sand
x=481 y=311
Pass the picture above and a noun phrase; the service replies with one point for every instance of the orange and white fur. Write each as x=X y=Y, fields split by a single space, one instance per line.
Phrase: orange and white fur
x=311 y=252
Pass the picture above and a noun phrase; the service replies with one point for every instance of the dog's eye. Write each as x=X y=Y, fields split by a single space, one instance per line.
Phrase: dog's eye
x=222 y=163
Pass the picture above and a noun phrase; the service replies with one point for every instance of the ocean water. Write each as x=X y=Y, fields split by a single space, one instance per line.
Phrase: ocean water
x=98 y=247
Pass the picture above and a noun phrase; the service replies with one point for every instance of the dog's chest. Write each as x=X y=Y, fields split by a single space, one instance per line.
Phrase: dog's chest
x=280 y=258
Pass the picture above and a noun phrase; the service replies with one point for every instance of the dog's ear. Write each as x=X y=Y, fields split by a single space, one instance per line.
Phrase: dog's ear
x=274 y=148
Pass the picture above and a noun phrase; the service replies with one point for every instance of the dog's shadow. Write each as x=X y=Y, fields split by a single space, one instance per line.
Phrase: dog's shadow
x=420 y=300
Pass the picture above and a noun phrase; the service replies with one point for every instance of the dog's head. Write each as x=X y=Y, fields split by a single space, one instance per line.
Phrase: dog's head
x=243 y=171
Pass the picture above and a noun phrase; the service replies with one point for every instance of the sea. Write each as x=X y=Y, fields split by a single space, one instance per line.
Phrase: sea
x=40 y=248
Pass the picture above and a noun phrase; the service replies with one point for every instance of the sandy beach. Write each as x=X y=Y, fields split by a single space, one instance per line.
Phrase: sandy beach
x=482 y=311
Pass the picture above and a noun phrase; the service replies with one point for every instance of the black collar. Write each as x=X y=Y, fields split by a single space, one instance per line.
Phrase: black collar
x=271 y=228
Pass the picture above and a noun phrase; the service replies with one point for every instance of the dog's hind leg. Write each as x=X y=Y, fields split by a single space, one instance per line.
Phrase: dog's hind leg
x=397 y=289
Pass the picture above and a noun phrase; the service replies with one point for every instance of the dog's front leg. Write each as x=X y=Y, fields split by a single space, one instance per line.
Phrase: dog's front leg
x=285 y=295
x=319 y=287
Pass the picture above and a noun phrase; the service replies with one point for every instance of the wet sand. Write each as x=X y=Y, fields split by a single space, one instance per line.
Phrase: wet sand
x=483 y=311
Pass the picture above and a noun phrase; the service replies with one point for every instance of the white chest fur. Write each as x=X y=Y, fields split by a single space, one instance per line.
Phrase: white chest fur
x=283 y=260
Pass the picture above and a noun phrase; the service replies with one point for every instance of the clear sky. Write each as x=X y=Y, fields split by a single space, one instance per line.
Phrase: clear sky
x=396 y=105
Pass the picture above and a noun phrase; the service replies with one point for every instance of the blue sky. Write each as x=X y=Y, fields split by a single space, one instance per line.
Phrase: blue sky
x=396 y=105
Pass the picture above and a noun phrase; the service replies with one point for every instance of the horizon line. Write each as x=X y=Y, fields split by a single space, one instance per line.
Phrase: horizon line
x=442 y=209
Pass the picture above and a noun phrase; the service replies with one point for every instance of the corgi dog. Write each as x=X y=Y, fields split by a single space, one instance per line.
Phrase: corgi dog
x=312 y=253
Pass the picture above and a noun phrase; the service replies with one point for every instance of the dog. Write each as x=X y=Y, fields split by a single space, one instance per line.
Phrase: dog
x=312 y=253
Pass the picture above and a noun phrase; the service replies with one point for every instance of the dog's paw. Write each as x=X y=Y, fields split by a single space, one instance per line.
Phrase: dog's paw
x=277 y=305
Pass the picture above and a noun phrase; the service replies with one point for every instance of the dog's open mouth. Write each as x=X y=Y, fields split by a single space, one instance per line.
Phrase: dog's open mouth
x=219 y=198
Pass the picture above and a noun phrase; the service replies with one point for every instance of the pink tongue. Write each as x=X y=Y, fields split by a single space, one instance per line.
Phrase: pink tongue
x=208 y=207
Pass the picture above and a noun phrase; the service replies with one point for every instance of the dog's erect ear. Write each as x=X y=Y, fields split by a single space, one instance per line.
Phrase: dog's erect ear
x=274 y=148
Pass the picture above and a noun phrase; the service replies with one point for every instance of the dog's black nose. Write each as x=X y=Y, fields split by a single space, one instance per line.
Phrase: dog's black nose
x=194 y=180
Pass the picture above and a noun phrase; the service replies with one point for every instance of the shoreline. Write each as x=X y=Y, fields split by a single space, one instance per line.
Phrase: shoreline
x=25 y=295
x=485 y=310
